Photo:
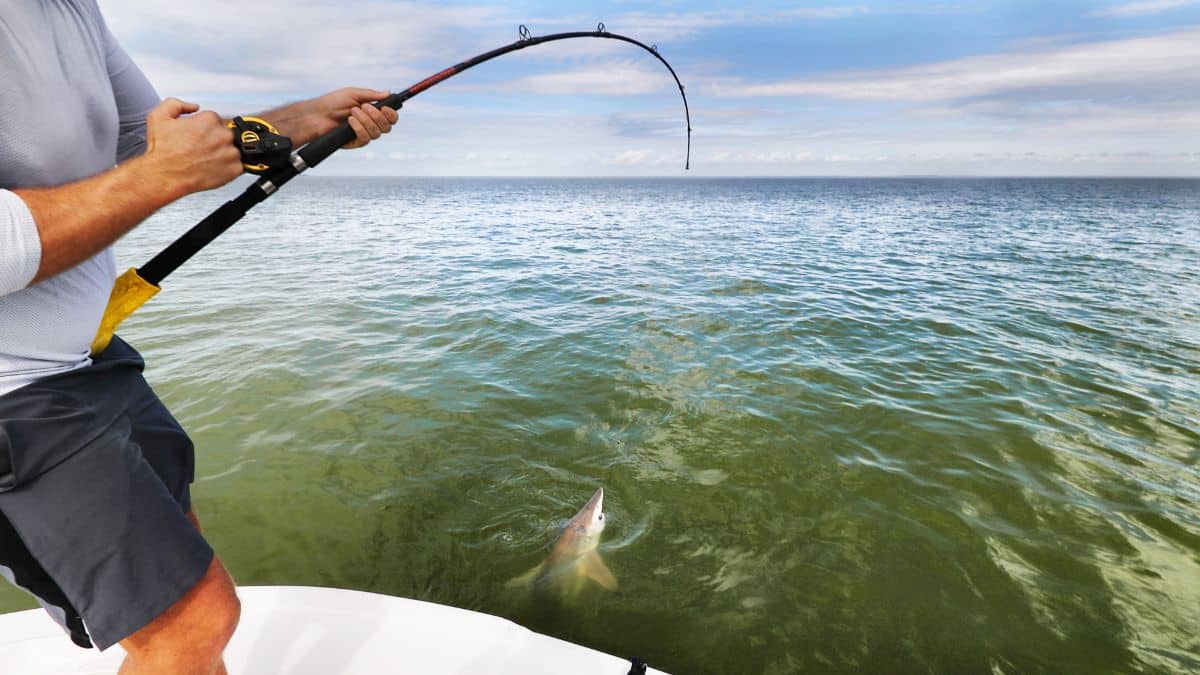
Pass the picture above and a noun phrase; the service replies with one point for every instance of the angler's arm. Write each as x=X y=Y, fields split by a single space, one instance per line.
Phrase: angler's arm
x=134 y=95
x=306 y=120
x=78 y=220
x=47 y=231
x=20 y=248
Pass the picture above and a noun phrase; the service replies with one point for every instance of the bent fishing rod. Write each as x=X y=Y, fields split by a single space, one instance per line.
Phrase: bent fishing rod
x=266 y=152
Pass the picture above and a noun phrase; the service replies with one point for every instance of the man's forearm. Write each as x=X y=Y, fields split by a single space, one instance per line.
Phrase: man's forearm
x=296 y=121
x=304 y=121
x=186 y=151
x=78 y=220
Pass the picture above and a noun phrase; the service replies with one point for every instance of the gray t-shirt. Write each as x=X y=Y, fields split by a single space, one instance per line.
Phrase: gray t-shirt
x=72 y=105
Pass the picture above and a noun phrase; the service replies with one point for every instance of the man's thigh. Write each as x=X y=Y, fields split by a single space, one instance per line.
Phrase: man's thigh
x=110 y=533
x=165 y=446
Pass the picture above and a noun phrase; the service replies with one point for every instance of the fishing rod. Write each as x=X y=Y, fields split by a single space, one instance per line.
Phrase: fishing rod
x=267 y=153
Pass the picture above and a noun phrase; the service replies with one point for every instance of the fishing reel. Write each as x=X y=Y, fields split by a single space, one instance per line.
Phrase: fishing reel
x=262 y=146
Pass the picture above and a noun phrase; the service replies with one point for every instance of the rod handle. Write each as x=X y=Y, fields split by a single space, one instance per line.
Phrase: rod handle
x=317 y=151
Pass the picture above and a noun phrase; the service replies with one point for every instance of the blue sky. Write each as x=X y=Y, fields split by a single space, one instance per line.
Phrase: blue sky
x=787 y=89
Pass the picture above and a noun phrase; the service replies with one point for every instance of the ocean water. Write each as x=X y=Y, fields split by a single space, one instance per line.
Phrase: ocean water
x=882 y=426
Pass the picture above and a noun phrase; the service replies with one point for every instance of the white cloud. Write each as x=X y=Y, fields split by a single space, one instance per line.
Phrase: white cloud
x=660 y=26
x=657 y=26
x=174 y=78
x=619 y=78
x=1085 y=119
x=645 y=157
x=1141 y=8
x=826 y=12
x=1121 y=67
x=296 y=45
x=762 y=157
x=684 y=25
x=632 y=157
x=411 y=156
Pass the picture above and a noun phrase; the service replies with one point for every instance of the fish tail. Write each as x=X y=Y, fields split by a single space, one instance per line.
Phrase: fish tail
x=525 y=580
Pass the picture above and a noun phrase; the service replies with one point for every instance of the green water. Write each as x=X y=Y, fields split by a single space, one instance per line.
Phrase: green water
x=842 y=426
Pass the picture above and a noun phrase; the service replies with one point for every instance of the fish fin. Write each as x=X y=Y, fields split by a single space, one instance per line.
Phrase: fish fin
x=595 y=568
x=525 y=580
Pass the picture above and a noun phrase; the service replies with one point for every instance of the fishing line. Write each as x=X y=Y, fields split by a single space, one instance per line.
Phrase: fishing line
x=260 y=145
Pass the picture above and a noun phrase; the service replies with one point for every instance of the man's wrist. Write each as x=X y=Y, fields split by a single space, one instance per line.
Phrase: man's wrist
x=295 y=120
x=159 y=183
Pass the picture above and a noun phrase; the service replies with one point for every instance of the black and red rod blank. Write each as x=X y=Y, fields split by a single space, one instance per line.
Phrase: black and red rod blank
x=318 y=150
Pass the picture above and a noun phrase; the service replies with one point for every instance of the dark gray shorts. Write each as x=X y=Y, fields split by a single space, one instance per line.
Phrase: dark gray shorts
x=94 y=476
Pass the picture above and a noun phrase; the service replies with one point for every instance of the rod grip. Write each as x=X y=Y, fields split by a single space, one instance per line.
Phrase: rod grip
x=395 y=102
x=317 y=151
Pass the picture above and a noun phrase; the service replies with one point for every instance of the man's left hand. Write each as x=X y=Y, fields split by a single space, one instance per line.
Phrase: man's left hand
x=306 y=120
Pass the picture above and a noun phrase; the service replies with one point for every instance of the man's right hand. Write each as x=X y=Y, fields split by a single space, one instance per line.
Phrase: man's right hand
x=192 y=151
x=186 y=151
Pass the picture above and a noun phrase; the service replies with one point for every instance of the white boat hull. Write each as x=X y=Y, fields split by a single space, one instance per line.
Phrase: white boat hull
x=299 y=630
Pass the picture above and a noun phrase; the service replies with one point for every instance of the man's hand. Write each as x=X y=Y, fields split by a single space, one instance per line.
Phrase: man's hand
x=191 y=153
x=306 y=120
x=185 y=153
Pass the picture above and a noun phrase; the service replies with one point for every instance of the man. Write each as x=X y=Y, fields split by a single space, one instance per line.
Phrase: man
x=95 y=514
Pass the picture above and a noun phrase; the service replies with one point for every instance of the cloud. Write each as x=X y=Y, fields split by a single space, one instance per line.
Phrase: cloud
x=677 y=26
x=682 y=25
x=644 y=157
x=175 y=78
x=648 y=124
x=1141 y=8
x=301 y=47
x=412 y=156
x=766 y=157
x=826 y=12
x=688 y=20
x=1163 y=65
x=306 y=44
x=632 y=157
x=1085 y=118
x=616 y=78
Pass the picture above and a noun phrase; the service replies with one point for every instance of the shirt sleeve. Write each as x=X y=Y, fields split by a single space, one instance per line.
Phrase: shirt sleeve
x=20 y=244
x=134 y=94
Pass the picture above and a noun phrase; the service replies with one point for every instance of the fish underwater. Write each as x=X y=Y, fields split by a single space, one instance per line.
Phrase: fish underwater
x=573 y=559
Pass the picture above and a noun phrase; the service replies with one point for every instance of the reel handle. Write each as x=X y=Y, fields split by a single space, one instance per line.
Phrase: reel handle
x=263 y=148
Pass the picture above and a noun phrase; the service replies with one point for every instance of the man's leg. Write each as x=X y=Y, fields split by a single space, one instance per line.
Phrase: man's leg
x=103 y=526
x=190 y=636
x=191 y=516
x=196 y=629
x=107 y=522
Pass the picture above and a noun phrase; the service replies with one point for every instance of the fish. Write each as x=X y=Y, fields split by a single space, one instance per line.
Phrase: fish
x=574 y=559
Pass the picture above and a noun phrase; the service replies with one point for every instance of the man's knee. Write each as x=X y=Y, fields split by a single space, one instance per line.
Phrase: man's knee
x=197 y=627
x=228 y=609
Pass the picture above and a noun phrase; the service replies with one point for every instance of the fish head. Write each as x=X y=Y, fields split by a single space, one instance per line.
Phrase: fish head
x=582 y=532
x=591 y=516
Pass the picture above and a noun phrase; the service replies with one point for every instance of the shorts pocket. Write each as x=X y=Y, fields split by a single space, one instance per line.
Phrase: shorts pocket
x=39 y=428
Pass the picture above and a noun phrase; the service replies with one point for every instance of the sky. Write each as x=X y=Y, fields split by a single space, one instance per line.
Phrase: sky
x=776 y=88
